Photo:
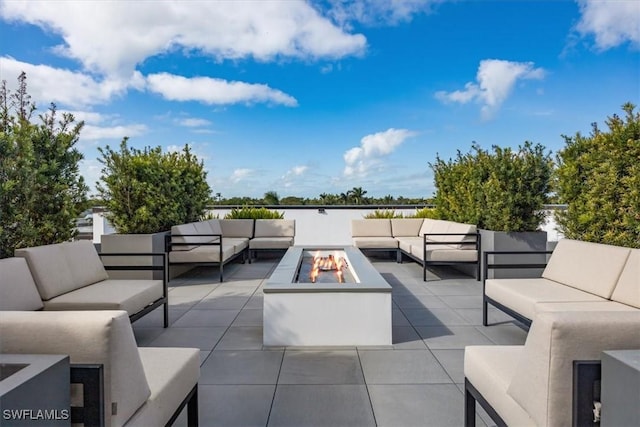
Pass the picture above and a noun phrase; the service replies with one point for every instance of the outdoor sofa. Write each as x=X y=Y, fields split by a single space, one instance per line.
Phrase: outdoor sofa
x=428 y=241
x=579 y=276
x=551 y=380
x=119 y=383
x=216 y=242
x=71 y=276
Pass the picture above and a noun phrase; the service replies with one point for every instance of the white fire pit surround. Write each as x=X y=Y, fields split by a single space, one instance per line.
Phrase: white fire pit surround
x=327 y=314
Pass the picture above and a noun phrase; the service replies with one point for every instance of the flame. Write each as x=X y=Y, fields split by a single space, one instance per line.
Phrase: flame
x=332 y=262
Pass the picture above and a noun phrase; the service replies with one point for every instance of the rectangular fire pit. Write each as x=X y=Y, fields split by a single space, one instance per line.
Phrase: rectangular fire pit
x=343 y=302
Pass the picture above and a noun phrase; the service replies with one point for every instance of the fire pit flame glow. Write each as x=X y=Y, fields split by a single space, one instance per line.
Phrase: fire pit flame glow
x=331 y=262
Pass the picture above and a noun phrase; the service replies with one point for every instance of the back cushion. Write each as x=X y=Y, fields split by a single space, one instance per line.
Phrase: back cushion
x=591 y=267
x=177 y=231
x=405 y=227
x=92 y=337
x=17 y=289
x=542 y=383
x=204 y=228
x=275 y=228
x=49 y=269
x=627 y=290
x=84 y=262
x=460 y=228
x=237 y=228
x=214 y=224
x=371 y=228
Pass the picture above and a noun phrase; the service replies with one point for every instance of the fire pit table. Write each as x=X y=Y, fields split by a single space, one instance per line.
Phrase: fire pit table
x=328 y=296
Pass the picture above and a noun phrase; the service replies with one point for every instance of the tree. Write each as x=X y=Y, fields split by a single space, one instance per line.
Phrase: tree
x=357 y=195
x=271 y=198
x=598 y=176
x=147 y=191
x=41 y=189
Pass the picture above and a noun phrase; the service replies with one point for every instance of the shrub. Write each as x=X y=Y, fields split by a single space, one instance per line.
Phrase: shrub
x=599 y=178
x=430 y=213
x=247 y=212
x=383 y=214
x=41 y=190
x=147 y=191
x=502 y=190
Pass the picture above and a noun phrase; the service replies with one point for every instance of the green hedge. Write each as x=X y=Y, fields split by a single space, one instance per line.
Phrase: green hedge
x=501 y=190
x=247 y=212
x=147 y=191
x=599 y=178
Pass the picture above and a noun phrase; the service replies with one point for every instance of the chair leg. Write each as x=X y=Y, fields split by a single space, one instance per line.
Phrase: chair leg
x=221 y=272
x=424 y=271
x=485 y=314
x=469 y=409
x=192 y=410
x=166 y=314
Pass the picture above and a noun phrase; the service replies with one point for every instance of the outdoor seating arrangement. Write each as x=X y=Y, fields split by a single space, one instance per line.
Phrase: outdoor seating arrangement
x=579 y=276
x=428 y=241
x=549 y=381
x=216 y=242
x=71 y=276
x=122 y=384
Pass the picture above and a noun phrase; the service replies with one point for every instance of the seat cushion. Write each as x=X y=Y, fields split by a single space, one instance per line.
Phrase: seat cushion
x=371 y=228
x=375 y=242
x=490 y=370
x=270 y=242
x=627 y=290
x=522 y=295
x=63 y=267
x=239 y=243
x=122 y=294
x=602 y=305
x=91 y=337
x=17 y=289
x=543 y=380
x=237 y=227
x=405 y=243
x=591 y=267
x=208 y=253
x=275 y=228
x=406 y=227
x=171 y=373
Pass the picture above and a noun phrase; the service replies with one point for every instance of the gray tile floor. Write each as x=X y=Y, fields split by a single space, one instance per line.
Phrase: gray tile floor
x=417 y=382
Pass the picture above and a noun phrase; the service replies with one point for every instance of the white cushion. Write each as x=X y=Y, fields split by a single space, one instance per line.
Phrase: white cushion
x=237 y=227
x=370 y=228
x=490 y=370
x=405 y=243
x=406 y=227
x=521 y=295
x=375 y=242
x=239 y=243
x=542 y=383
x=270 y=242
x=208 y=253
x=90 y=337
x=63 y=267
x=627 y=290
x=177 y=231
x=275 y=228
x=171 y=373
x=17 y=289
x=214 y=224
x=122 y=294
x=591 y=267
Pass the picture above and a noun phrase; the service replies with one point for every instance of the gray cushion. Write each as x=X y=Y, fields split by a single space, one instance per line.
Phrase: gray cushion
x=203 y=254
x=275 y=228
x=627 y=290
x=270 y=242
x=370 y=228
x=406 y=227
x=17 y=289
x=375 y=242
x=237 y=228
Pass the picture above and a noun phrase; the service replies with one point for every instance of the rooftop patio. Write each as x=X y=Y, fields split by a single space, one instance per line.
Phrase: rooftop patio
x=419 y=381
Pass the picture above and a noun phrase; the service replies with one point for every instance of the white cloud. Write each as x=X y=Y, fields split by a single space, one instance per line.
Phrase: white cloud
x=298 y=170
x=240 y=175
x=612 y=23
x=494 y=82
x=378 y=11
x=193 y=122
x=113 y=37
x=372 y=149
x=215 y=91
x=294 y=176
x=68 y=88
x=92 y=132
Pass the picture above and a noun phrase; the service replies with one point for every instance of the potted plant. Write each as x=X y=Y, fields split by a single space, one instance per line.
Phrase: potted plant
x=146 y=192
x=503 y=192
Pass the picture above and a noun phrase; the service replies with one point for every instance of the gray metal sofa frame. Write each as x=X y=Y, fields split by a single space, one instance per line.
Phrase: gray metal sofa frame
x=91 y=413
x=165 y=291
x=586 y=391
x=169 y=244
x=425 y=263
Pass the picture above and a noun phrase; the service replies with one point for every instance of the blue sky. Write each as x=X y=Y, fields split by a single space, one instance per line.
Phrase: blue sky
x=308 y=97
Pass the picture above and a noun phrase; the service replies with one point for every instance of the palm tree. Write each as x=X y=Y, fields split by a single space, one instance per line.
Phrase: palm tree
x=271 y=198
x=357 y=195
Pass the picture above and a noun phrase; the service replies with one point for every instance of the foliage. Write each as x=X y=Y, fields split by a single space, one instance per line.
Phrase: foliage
x=41 y=189
x=502 y=190
x=599 y=178
x=209 y=215
x=430 y=213
x=247 y=212
x=271 y=198
x=383 y=214
x=147 y=191
x=355 y=196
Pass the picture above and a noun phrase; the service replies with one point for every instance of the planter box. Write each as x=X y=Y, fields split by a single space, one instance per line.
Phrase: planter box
x=127 y=243
x=514 y=241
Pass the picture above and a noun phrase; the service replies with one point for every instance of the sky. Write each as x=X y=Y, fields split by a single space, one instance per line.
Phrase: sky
x=310 y=97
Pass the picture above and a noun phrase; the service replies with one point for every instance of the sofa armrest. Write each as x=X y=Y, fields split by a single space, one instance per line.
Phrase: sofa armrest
x=486 y=265
x=475 y=242
x=216 y=240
